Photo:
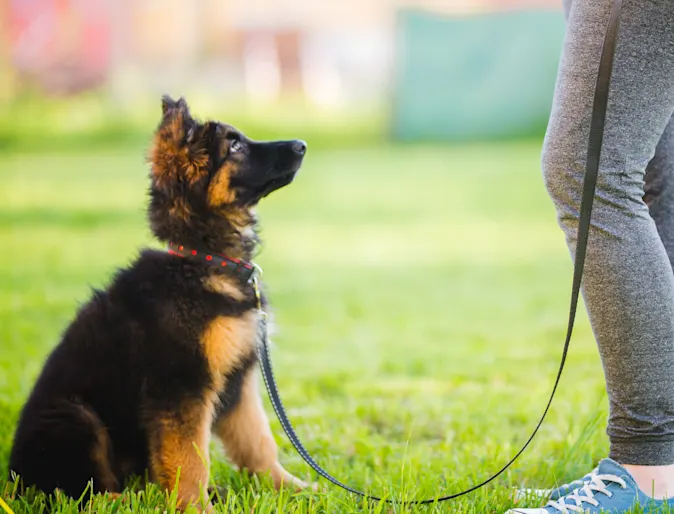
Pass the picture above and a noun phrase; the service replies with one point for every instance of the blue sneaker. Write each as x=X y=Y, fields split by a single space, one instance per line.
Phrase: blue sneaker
x=609 y=489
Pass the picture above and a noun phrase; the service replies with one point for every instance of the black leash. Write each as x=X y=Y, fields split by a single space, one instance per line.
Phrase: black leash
x=589 y=184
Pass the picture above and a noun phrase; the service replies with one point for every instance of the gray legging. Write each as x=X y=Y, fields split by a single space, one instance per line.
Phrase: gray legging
x=628 y=283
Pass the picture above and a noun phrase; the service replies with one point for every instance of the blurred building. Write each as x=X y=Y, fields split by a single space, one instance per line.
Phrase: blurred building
x=329 y=52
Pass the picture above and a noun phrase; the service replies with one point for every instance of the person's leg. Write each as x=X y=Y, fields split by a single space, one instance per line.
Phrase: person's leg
x=659 y=196
x=659 y=189
x=628 y=283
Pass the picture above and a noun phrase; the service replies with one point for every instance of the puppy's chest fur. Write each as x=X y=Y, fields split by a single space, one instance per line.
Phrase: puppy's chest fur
x=229 y=343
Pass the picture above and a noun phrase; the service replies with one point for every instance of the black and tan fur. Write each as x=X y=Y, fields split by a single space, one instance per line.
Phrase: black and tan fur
x=164 y=357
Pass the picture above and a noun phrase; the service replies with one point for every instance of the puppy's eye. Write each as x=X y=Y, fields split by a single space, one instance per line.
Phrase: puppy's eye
x=235 y=146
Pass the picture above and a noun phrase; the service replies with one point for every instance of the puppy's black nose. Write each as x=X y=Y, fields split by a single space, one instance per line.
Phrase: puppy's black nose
x=299 y=147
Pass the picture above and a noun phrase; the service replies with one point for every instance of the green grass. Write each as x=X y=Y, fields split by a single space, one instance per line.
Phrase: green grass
x=421 y=297
x=93 y=120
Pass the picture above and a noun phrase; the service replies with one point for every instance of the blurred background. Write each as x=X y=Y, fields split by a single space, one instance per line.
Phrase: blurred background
x=407 y=69
x=418 y=277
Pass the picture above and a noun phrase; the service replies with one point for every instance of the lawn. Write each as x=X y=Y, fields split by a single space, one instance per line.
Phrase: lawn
x=420 y=294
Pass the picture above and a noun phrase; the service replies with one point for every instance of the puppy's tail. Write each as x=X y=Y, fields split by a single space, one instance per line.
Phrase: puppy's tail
x=101 y=449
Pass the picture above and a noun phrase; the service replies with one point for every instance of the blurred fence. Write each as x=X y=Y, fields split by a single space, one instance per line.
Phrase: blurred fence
x=475 y=77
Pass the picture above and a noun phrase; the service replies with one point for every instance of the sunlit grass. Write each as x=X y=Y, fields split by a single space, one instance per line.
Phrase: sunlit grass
x=420 y=295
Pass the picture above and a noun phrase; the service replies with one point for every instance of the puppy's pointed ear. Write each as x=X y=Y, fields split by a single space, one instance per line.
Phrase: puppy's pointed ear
x=173 y=155
x=171 y=108
x=167 y=103
x=177 y=123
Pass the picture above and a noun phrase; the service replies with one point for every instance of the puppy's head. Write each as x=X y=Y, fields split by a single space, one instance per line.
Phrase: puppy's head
x=207 y=176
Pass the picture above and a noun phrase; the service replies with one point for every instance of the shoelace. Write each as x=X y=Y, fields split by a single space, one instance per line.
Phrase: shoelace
x=586 y=494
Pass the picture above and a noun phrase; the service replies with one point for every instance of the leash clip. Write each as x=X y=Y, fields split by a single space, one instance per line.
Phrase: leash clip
x=257 y=272
x=255 y=281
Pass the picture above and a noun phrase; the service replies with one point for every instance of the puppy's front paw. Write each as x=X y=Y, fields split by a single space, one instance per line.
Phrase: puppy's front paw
x=283 y=479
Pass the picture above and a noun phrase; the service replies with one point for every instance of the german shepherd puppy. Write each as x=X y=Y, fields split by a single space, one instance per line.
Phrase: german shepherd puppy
x=166 y=355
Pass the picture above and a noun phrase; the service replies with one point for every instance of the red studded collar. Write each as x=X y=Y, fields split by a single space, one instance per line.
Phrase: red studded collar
x=244 y=270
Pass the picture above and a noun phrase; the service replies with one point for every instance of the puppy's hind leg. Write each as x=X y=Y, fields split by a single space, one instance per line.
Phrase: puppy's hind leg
x=63 y=445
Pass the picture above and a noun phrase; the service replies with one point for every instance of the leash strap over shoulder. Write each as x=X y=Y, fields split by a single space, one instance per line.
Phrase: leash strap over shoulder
x=589 y=185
